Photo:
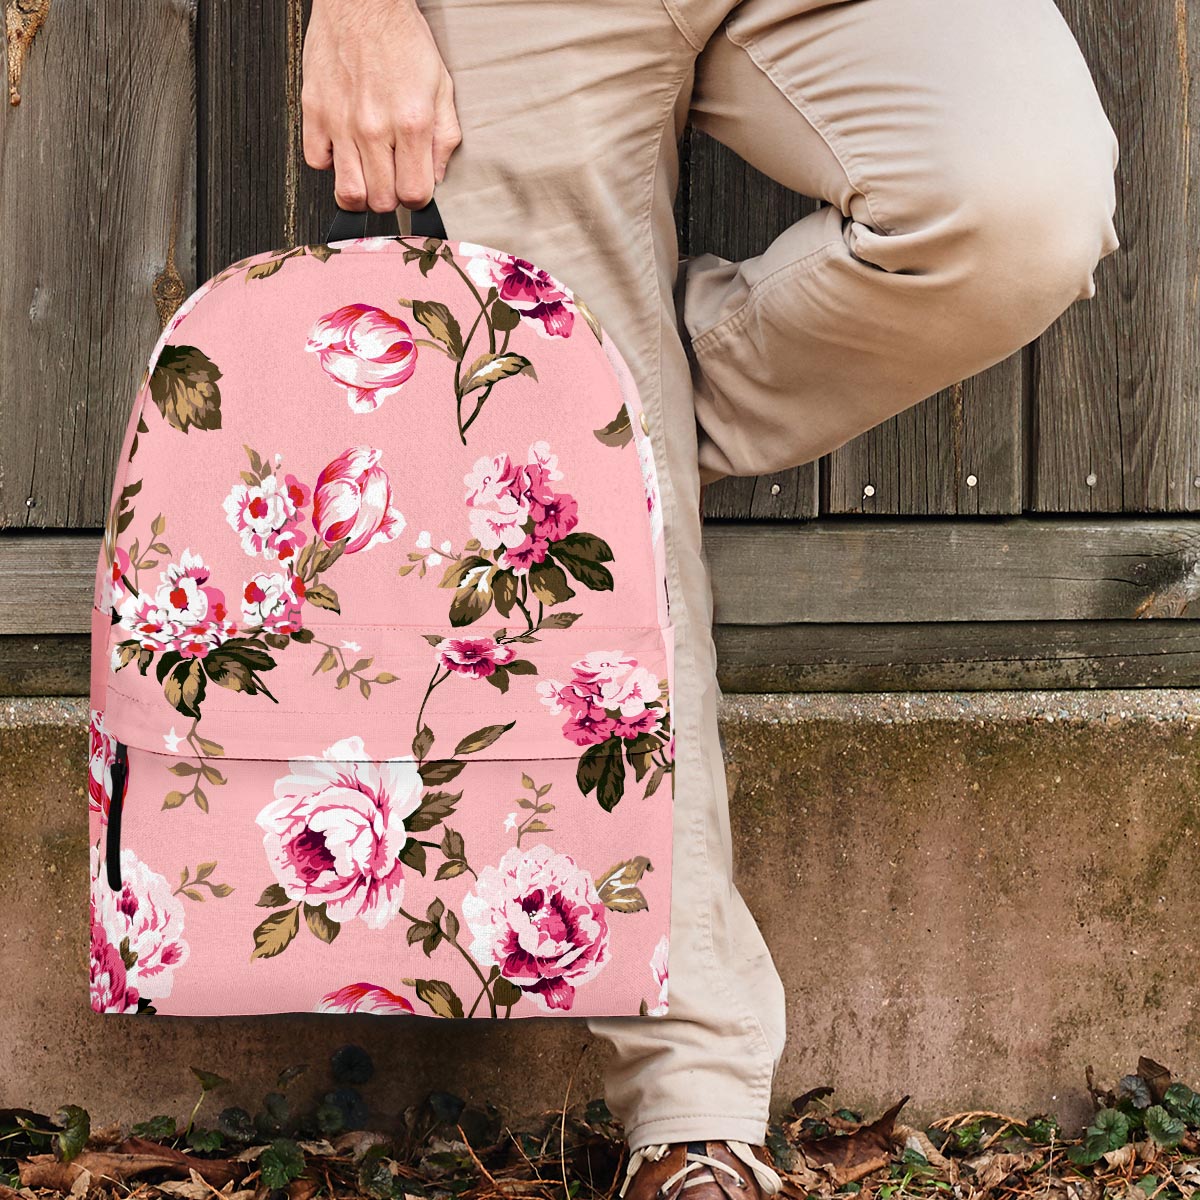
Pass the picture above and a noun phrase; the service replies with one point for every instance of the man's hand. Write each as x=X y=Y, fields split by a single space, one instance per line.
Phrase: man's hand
x=378 y=103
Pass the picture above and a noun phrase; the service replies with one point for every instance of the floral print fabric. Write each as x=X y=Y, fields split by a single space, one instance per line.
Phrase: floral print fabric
x=382 y=645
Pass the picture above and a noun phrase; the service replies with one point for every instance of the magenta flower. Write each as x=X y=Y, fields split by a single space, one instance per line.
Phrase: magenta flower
x=144 y=921
x=364 y=998
x=367 y=351
x=538 y=917
x=520 y=558
x=476 y=657
x=110 y=988
x=353 y=499
x=102 y=753
x=541 y=301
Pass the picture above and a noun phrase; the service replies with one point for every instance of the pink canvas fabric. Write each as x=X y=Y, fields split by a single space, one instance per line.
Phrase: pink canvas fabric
x=383 y=657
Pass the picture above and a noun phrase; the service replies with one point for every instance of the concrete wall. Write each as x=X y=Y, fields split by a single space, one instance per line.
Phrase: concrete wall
x=970 y=897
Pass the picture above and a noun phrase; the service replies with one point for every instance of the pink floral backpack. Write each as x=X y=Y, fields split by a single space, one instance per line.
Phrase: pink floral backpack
x=382 y=655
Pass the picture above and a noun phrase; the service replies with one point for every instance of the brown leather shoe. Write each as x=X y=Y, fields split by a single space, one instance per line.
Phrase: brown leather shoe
x=701 y=1171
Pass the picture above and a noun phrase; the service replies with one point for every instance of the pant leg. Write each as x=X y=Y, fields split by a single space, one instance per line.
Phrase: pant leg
x=968 y=168
x=570 y=116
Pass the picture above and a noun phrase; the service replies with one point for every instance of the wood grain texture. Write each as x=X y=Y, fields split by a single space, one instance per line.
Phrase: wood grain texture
x=257 y=192
x=46 y=582
x=44 y=666
x=958 y=453
x=1117 y=400
x=836 y=572
x=97 y=199
x=1009 y=569
x=954 y=656
x=957 y=656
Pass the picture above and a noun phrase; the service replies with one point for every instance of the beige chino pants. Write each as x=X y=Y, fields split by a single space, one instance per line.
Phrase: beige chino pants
x=968 y=170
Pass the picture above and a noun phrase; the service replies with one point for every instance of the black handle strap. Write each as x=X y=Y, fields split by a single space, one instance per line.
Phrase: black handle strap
x=426 y=223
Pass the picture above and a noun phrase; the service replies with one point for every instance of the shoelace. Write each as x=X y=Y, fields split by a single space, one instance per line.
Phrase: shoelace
x=768 y=1179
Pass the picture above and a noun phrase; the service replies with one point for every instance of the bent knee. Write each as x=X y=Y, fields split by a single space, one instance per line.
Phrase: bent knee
x=1013 y=243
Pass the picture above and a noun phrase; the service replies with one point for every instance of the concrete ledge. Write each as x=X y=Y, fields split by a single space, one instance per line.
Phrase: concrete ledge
x=970 y=896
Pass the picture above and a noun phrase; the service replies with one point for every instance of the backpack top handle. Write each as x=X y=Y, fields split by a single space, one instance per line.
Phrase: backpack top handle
x=426 y=223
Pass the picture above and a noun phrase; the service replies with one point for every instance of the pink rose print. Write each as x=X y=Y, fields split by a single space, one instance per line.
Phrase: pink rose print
x=476 y=657
x=658 y=968
x=515 y=508
x=538 y=917
x=609 y=694
x=185 y=614
x=111 y=991
x=335 y=831
x=354 y=500
x=364 y=998
x=273 y=603
x=267 y=516
x=367 y=351
x=101 y=756
x=541 y=301
x=617 y=711
x=144 y=922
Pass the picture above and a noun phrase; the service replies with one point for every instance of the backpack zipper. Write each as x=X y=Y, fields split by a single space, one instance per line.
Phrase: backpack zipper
x=112 y=844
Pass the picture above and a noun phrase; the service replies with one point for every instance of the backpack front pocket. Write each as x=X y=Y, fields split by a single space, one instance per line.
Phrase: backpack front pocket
x=451 y=848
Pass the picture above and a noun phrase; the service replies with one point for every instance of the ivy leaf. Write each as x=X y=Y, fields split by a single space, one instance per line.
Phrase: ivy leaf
x=1165 y=1129
x=74 y=1126
x=183 y=386
x=209 y=1080
x=280 y=1163
x=1136 y=1089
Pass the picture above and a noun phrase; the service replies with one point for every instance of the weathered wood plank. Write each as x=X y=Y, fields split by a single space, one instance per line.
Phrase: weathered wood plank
x=58 y=665
x=1118 y=384
x=46 y=582
x=97 y=203
x=720 y=190
x=944 y=570
x=959 y=452
x=257 y=192
x=954 y=656
x=957 y=656
x=1013 y=569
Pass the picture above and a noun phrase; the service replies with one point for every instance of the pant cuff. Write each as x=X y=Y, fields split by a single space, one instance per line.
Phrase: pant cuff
x=698 y=1127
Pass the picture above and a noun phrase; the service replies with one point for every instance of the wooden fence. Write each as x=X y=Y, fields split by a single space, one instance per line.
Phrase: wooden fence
x=1015 y=530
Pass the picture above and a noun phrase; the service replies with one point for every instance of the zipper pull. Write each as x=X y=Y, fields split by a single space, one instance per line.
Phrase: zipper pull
x=112 y=844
